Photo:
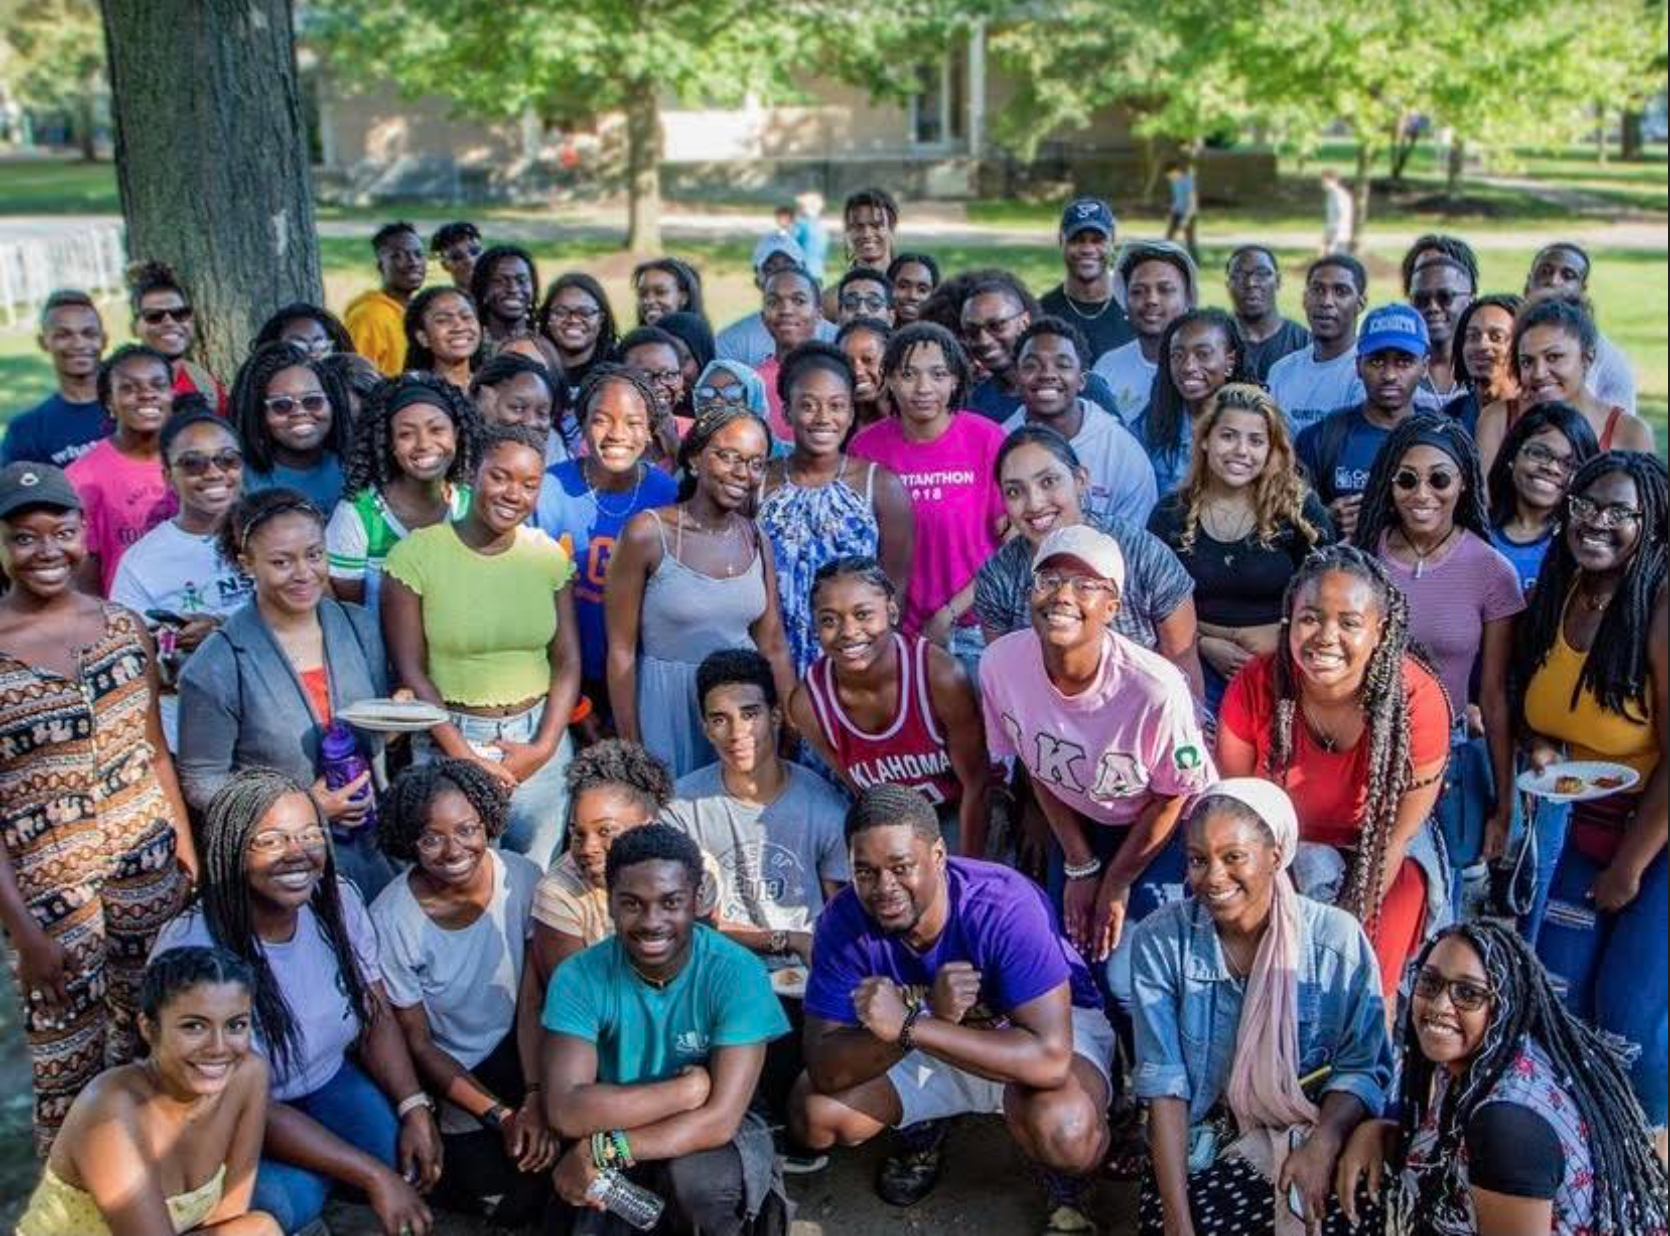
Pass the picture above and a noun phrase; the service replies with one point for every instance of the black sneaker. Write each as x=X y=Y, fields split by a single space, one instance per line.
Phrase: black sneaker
x=910 y=1173
x=796 y=1160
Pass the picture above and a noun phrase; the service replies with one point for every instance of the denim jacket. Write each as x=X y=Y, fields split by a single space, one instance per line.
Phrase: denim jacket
x=1187 y=1007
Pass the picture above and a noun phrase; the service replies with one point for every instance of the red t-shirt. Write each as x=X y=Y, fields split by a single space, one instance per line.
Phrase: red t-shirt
x=1330 y=789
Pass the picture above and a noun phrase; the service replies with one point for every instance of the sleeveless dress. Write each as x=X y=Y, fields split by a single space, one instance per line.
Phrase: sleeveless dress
x=911 y=751
x=59 y=1209
x=686 y=616
x=808 y=527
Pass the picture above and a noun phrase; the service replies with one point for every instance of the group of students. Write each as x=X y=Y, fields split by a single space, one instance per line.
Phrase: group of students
x=917 y=699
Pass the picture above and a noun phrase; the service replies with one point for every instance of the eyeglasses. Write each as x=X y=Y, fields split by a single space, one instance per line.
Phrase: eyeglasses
x=973 y=330
x=156 y=317
x=733 y=460
x=662 y=377
x=273 y=842
x=195 y=463
x=1537 y=453
x=431 y=844
x=1442 y=297
x=312 y=404
x=1597 y=516
x=1465 y=995
x=728 y=396
x=573 y=313
x=468 y=252
x=1438 y=480
x=1084 y=587
x=873 y=303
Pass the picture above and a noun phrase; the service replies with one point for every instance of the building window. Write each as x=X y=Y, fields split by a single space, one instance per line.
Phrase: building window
x=939 y=108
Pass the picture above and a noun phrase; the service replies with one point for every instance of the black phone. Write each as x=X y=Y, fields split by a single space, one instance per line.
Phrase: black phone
x=164 y=618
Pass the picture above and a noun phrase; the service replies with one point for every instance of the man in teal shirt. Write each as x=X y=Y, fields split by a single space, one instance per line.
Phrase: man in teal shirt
x=656 y=1037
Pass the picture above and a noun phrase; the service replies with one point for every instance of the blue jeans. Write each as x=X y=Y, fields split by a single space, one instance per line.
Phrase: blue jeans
x=1547 y=822
x=1161 y=883
x=1612 y=966
x=350 y=1106
x=539 y=807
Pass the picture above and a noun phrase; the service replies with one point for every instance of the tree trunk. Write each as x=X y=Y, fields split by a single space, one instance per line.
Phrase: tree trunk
x=1404 y=137
x=211 y=159
x=86 y=127
x=1630 y=132
x=1457 y=165
x=1364 y=185
x=643 y=170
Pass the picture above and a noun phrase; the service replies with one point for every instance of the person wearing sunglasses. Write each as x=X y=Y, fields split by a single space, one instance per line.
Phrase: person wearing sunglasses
x=452 y=937
x=291 y=412
x=123 y=492
x=1424 y=517
x=164 y=319
x=994 y=315
x=1514 y=1115
x=1111 y=745
x=1441 y=288
x=175 y=576
x=1260 y=1030
x=457 y=246
x=376 y=317
x=1591 y=681
x=1529 y=481
x=317 y=331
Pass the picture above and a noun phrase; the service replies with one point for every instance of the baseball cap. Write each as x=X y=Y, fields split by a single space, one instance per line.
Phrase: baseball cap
x=1391 y=328
x=34 y=484
x=769 y=245
x=1097 y=550
x=1086 y=214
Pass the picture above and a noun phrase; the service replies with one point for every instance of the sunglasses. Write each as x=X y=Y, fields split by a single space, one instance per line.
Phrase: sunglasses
x=1438 y=480
x=729 y=396
x=288 y=405
x=973 y=330
x=195 y=463
x=1441 y=297
x=156 y=317
x=865 y=304
x=1466 y=996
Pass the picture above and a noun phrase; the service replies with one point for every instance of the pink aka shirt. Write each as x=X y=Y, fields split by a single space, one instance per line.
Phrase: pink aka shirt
x=954 y=499
x=1109 y=751
x=122 y=500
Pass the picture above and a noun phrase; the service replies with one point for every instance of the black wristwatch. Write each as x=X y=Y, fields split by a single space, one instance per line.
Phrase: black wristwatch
x=497 y=1115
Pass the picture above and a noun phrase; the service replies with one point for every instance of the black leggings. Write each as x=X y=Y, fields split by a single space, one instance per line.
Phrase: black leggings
x=478 y=1177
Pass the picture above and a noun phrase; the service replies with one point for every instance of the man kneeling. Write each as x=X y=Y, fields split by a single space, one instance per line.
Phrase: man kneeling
x=942 y=986
x=655 y=1039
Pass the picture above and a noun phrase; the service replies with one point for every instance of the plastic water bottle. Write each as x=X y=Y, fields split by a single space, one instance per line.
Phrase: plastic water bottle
x=340 y=752
x=633 y=1203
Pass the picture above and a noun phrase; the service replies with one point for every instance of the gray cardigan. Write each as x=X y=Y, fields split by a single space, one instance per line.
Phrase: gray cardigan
x=242 y=704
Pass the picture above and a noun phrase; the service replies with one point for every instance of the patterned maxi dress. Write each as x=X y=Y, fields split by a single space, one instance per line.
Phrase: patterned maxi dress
x=91 y=839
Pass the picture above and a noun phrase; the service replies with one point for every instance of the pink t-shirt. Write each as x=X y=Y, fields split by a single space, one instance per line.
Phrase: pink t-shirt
x=768 y=369
x=955 y=501
x=1472 y=584
x=122 y=500
x=1109 y=751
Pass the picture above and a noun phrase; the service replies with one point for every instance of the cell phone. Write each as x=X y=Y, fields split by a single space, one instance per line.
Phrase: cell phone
x=164 y=618
x=1295 y=1199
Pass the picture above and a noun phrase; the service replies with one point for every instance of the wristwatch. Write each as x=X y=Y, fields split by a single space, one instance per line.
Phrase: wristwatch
x=411 y=1103
x=497 y=1115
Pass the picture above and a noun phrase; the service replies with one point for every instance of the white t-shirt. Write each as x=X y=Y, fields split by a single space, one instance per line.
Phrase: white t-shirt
x=1611 y=380
x=1122 y=483
x=1130 y=376
x=466 y=979
x=305 y=970
x=1307 y=389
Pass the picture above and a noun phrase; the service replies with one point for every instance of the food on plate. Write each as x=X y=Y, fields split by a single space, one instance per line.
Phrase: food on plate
x=1607 y=782
x=1568 y=785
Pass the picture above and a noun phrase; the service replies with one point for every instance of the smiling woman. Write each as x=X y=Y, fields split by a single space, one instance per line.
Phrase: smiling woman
x=292 y=414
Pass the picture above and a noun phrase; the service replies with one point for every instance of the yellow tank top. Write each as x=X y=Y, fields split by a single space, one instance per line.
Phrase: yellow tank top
x=1589 y=731
x=59 y=1209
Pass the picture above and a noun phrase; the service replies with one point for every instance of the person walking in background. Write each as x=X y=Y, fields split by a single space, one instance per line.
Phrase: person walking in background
x=1185 y=206
x=811 y=233
x=1338 y=214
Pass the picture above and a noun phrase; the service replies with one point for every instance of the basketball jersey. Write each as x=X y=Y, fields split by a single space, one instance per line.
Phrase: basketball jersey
x=910 y=751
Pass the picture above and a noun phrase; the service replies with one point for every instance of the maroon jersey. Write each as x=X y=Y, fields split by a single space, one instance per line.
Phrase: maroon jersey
x=910 y=751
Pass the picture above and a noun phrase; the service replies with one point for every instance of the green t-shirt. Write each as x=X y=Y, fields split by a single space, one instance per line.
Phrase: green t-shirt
x=488 y=620
x=722 y=998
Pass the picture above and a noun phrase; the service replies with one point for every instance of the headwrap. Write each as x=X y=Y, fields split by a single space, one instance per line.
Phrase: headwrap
x=753 y=386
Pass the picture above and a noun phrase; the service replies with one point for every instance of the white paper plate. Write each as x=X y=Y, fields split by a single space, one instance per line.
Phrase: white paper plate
x=1544 y=784
x=789 y=981
x=388 y=716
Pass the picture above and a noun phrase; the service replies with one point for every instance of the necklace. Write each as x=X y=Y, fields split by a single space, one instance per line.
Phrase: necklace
x=728 y=535
x=1080 y=313
x=597 y=497
x=1327 y=741
x=1422 y=555
x=1211 y=516
x=1594 y=605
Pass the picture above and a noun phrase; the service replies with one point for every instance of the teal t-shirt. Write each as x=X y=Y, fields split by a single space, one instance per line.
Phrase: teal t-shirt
x=722 y=998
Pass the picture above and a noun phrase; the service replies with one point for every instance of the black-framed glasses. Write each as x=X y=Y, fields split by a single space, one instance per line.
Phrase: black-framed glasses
x=574 y=313
x=732 y=460
x=156 y=317
x=1537 y=453
x=1466 y=995
x=1409 y=480
x=858 y=302
x=312 y=403
x=973 y=330
x=1595 y=515
x=196 y=463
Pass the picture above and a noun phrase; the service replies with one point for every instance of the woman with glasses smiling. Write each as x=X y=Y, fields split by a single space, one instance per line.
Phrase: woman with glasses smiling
x=1515 y=1116
x=690 y=579
x=576 y=319
x=1528 y=483
x=1591 y=681
x=316 y=331
x=292 y=414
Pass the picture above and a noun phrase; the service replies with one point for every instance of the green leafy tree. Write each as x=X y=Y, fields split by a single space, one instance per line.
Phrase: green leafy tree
x=52 y=57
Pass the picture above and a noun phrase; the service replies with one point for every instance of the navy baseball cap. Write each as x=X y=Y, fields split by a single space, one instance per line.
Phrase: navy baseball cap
x=1394 y=328
x=1087 y=214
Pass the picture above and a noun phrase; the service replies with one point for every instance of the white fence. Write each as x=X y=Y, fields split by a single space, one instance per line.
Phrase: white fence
x=36 y=261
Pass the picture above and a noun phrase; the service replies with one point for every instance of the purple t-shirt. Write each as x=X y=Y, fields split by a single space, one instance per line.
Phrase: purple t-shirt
x=1449 y=604
x=954 y=500
x=999 y=923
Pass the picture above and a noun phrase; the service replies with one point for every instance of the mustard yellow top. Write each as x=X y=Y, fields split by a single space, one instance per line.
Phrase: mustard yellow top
x=59 y=1209
x=1589 y=731
x=377 y=324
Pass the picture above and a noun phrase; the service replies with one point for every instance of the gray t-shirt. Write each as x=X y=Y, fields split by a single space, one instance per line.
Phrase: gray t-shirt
x=771 y=859
x=1156 y=583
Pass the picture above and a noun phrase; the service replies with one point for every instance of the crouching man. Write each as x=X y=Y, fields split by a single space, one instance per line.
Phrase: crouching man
x=942 y=986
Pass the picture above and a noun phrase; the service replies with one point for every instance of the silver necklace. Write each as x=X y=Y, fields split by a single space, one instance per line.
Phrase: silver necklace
x=725 y=537
x=597 y=497
x=1422 y=555
x=1080 y=313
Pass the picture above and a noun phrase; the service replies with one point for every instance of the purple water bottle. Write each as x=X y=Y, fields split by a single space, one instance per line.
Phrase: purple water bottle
x=340 y=752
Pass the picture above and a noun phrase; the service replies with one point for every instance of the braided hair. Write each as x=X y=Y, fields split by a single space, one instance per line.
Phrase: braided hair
x=419 y=356
x=1509 y=304
x=1629 y=1180
x=1504 y=497
x=1615 y=668
x=702 y=433
x=249 y=393
x=605 y=372
x=1385 y=706
x=902 y=343
x=234 y=815
x=1162 y=428
x=1379 y=512
x=176 y=971
x=403 y=813
x=371 y=463
x=482 y=276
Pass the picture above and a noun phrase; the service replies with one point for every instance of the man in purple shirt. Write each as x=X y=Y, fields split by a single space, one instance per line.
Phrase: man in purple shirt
x=942 y=986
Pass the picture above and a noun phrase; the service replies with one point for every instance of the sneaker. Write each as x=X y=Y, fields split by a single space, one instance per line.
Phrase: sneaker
x=910 y=1173
x=796 y=1160
x=1069 y=1221
x=1067 y=1197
